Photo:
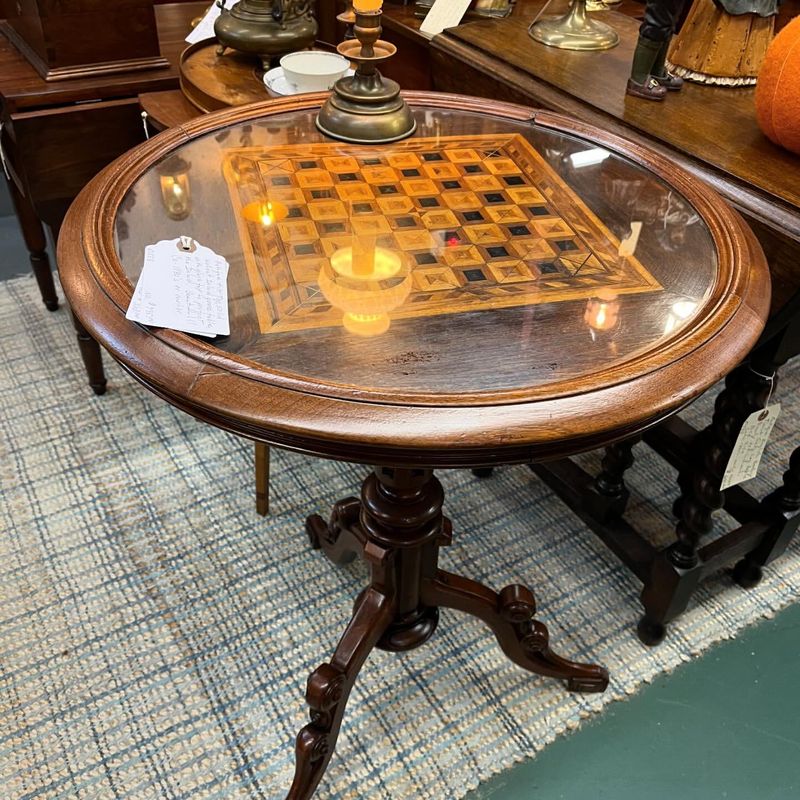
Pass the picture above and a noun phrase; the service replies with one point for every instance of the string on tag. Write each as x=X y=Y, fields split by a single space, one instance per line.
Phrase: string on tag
x=3 y=155
x=144 y=125
x=771 y=379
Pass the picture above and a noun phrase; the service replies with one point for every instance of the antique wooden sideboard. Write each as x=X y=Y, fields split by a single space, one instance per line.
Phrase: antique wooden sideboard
x=56 y=135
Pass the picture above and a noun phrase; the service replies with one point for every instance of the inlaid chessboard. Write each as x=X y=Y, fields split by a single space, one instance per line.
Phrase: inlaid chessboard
x=483 y=222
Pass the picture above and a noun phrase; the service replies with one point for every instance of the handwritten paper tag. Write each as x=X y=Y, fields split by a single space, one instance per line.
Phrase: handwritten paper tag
x=186 y=290
x=443 y=14
x=205 y=28
x=749 y=447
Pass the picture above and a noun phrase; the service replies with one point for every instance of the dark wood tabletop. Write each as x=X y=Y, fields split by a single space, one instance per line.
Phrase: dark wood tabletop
x=513 y=359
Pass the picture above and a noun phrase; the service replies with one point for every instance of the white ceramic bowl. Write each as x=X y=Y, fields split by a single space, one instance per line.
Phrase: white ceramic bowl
x=313 y=70
x=277 y=85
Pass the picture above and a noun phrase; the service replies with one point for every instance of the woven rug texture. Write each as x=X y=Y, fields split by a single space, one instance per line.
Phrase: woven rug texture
x=156 y=634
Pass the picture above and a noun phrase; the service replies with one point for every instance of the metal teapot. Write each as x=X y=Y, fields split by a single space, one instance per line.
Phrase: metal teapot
x=266 y=28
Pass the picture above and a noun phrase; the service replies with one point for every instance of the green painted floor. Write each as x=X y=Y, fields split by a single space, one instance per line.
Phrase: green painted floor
x=726 y=725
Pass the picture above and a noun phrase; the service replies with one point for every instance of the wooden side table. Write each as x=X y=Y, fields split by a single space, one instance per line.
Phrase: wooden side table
x=496 y=318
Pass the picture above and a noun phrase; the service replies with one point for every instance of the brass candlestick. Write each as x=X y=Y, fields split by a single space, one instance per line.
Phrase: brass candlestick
x=348 y=17
x=366 y=108
x=574 y=31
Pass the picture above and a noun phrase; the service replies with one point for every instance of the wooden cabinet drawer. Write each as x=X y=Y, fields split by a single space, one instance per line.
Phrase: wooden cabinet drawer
x=57 y=151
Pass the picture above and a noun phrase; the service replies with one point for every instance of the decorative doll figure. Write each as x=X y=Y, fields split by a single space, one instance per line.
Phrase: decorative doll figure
x=649 y=76
x=723 y=42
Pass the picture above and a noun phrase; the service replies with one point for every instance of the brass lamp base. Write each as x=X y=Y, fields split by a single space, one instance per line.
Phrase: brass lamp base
x=355 y=115
x=366 y=108
x=601 y=5
x=575 y=31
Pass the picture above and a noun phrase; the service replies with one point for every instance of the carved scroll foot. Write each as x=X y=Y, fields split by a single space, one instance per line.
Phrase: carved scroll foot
x=341 y=539
x=329 y=688
x=509 y=615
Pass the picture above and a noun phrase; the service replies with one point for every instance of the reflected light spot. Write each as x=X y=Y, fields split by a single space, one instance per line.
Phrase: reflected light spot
x=588 y=158
x=678 y=314
x=366 y=283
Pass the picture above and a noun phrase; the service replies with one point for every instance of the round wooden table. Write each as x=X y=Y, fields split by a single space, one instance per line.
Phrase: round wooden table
x=503 y=287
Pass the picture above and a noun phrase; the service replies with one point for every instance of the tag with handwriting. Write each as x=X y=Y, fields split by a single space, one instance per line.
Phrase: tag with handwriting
x=443 y=14
x=749 y=447
x=205 y=28
x=183 y=289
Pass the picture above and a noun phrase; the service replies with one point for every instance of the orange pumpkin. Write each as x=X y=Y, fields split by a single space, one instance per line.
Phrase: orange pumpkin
x=778 y=89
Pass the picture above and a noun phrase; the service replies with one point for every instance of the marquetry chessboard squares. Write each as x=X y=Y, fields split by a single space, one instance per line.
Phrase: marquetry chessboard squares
x=481 y=220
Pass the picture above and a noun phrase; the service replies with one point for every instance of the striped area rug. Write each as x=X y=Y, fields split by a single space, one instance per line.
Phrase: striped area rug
x=156 y=634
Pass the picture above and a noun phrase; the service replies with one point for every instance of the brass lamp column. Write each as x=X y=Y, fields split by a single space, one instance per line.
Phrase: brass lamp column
x=574 y=31
x=266 y=28
x=366 y=108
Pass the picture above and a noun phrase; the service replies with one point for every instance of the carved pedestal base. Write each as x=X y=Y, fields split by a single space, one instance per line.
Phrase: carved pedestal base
x=398 y=528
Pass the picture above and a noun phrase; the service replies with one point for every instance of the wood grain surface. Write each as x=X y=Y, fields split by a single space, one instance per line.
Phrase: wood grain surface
x=21 y=87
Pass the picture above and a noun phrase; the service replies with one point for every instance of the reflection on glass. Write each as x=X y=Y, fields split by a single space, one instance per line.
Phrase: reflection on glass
x=267 y=213
x=510 y=244
x=602 y=311
x=627 y=247
x=175 y=193
x=366 y=282
x=678 y=314
x=588 y=158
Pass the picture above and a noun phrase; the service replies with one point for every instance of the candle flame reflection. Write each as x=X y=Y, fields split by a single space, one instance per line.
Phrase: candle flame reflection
x=602 y=311
x=266 y=212
x=366 y=284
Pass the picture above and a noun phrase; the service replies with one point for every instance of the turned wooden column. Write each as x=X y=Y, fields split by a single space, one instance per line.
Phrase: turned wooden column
x=398 y=527
x=36 y=242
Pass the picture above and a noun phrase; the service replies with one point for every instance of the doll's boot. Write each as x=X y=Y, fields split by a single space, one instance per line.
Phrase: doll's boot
x=661 y=74
x=642 y=83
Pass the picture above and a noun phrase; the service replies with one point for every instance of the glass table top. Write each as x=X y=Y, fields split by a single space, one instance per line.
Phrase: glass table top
x=481 y=254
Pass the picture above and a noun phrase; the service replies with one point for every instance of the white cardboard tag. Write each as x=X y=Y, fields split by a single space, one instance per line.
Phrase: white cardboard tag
x=443 y=14
x=186 y=290
x=749 y=447
x=205 y=28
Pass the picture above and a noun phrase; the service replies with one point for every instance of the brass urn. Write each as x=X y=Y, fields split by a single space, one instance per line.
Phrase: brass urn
x=266 y=28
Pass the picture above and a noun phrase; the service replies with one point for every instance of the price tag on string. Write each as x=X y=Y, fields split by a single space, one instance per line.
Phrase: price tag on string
x=750 y=443
x=183 y=286
x=443 y=14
